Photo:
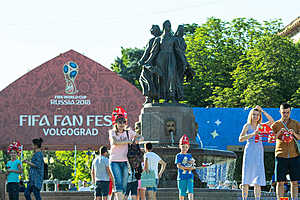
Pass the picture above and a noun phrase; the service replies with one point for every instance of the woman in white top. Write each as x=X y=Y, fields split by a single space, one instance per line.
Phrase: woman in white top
x=119 y=137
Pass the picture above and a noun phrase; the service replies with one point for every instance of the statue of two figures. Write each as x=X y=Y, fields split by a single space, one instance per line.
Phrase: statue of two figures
x=164 y=65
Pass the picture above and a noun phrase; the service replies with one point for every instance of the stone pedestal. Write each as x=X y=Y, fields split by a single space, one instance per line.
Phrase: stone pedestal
x=154 y=118
x=2 y=185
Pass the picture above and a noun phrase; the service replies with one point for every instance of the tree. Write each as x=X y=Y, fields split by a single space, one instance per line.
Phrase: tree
x=127 y=66
x=83 y=163
x=268 y=74
x=213 y=51
x=295 y=100
x=190 y=28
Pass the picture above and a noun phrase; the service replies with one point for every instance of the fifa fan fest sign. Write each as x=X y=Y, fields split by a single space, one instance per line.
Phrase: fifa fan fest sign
x=66 y=101
x=76 y=123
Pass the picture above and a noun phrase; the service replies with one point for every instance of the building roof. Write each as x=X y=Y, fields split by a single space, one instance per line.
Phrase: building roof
x=291 y=29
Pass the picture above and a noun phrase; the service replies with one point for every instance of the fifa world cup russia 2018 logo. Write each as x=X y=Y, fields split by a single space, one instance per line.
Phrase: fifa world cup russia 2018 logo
x=70 y=70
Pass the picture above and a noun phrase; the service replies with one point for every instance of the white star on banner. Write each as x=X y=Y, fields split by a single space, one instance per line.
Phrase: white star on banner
x=208 y=122
x=214 y=134
x=218 y=122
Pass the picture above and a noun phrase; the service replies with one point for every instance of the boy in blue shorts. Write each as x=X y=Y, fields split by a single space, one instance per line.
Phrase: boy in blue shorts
x=185 y=177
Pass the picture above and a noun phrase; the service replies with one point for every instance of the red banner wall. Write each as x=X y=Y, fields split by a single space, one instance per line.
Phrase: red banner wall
x=66 y=101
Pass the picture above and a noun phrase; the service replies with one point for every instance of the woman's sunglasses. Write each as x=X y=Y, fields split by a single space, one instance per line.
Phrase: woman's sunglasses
x=121 y=122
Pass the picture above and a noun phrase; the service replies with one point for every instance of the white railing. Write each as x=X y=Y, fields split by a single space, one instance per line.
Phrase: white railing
x=56 y=184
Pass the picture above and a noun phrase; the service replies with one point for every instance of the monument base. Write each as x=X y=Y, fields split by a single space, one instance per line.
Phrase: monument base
x=154 y=119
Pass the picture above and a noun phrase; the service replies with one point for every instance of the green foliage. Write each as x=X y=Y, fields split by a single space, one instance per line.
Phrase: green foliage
x=61 y=172
x=268 y=74
x=127 y=66
x=190 y=28
x=3 y=160
x=295 y=100
x=83 y=163
x=214 y=51
x=27 y=155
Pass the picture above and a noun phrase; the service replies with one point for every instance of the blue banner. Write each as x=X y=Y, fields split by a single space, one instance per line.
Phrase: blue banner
x=220 y=127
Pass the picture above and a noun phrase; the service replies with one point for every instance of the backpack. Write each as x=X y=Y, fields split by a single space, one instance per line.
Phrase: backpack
x=135 y=158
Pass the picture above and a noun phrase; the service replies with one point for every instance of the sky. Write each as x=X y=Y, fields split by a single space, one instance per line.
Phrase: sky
x=35 y=31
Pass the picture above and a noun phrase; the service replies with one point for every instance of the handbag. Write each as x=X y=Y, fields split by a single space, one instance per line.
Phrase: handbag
x=148 y=179
x=135 y=158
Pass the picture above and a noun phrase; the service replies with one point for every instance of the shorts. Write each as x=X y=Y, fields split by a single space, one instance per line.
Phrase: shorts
x=185 y=186
x=140 y=186
x=12 y=187
x=102 y=188
x=132 y=188
x=284 y=166
x=154 y=189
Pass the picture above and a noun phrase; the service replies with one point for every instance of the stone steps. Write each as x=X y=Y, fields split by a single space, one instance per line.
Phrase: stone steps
x=209 y=194
x=162 y=194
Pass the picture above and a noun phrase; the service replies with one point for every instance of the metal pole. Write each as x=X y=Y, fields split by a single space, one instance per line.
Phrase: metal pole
x=75 y=161
x=21 y=158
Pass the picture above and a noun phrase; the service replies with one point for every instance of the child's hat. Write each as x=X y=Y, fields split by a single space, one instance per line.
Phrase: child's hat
x=15 y=146
x=118 y=113
x=184 y=140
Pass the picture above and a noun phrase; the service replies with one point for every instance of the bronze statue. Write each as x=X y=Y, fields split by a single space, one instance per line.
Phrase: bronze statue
x=149 y=77
x=165 y=58
x=183 y=67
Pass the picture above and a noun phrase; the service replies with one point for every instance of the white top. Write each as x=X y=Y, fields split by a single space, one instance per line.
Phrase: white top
x=153 y=160
x=118 y=152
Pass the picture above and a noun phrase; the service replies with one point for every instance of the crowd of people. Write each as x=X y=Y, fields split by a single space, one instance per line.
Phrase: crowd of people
x=113 y=173
x=117 y=171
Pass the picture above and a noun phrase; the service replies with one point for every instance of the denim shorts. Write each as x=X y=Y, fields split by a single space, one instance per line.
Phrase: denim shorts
x=185 y=186
x=132 y=188
x=153 y=188
x=102 y=188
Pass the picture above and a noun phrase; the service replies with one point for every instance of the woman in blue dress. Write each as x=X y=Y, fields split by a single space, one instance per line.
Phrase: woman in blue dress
x=253 y=171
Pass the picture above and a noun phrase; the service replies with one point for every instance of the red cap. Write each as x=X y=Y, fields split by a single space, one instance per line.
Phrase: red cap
x=184 y=140
x=118 y=112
